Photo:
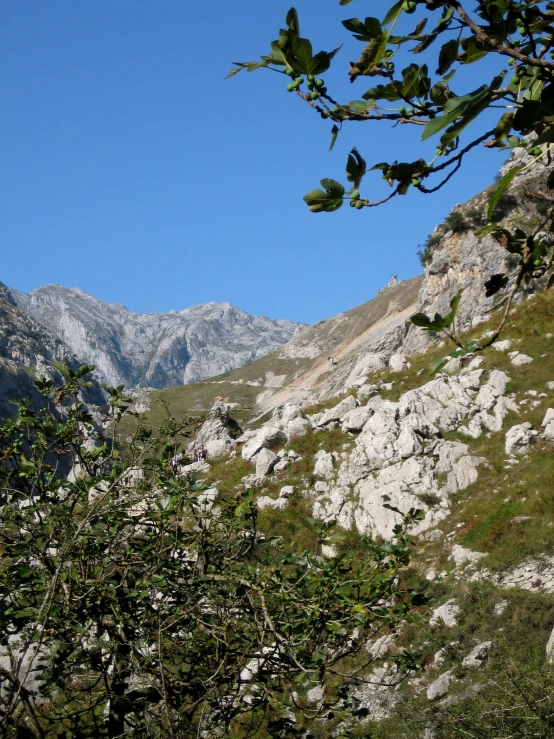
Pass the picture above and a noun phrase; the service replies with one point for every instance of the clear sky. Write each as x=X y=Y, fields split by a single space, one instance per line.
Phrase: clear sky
x=133 y=170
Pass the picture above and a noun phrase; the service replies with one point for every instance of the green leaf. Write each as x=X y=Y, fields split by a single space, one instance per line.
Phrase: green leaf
x=393 y=12
x=458 y=107
x=327 y=200
x=355 y=168
x=345 y=2
x=303 y=56
x=334 y=134
x=447 y=56
x=501 y=188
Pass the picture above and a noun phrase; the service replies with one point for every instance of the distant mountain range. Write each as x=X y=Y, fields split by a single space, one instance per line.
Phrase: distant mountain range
x=156 y=350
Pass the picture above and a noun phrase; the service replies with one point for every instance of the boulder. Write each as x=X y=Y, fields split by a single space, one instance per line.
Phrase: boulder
x=520 y=359
x=461 y=556
x=338 y=411
x=286 y=491
x=265 y=461
x=324 y=464
x=264 y=437
x=440 y=687
x=478 y=655
x=520 y=438
x=502 y=346
x=398 y=363
x=297 y=427
x=265 y=501
x=548 y=424
x=354 y=420
x=447 y=614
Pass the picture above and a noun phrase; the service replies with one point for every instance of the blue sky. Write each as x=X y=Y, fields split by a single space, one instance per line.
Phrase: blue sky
x=133 y=170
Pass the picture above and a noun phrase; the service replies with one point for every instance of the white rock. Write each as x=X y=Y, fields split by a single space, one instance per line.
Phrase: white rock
x=521 y=359
x=550 y=385
x=265 y=462
x=328 y=551
x=549 y=416
x=264 y=437
x=502 y=346
x=366 y=390
x=381 y=646
x=286 y=491
x=478 y=655
x=281 y=466
x=549 y=431
x=316 y=695
x=337 y=412
x=460 y=555
x=297 y=427
x=266 y=502
x=321 y=487
x=354 y=420
x=500 y=607
x=440 y=687
x=398 y=363
x=453 y=366
x=476 y=362
x=324 y=464
x=447 y=613
x=519 y=438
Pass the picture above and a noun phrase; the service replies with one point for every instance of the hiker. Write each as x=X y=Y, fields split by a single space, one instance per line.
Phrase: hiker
x=195 y=456
x=203 y=453
x=330 y=364
x=175 y=460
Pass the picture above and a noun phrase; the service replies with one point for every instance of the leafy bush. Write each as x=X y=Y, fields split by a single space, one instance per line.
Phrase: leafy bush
x=133 y=601
x=425 y=251
x=456 y=222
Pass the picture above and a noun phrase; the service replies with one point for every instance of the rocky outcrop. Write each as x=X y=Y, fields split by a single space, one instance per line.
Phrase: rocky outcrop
x=158 y=349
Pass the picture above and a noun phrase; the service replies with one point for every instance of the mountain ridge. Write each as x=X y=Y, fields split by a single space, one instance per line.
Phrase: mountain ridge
x=153 y=349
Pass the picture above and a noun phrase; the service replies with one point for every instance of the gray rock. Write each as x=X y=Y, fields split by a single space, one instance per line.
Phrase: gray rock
x=461 y=556
x=264 y=437
x=286 y=491
x=279 y=504
x=520 y=438
x=324 y=464
x=440 y=687
x=502 y=346
x=265 y=462
x=521 y=359
x=446 y=614
x=297 y=427
x=478 y=655
x=398 y=363
x=337 y=412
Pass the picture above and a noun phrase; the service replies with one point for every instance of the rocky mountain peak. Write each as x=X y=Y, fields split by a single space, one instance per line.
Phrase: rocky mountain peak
x=153 y=349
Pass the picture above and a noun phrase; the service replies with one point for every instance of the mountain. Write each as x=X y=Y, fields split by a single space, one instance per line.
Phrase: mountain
x=156 y=350
x=28 y=351
x=299 y=371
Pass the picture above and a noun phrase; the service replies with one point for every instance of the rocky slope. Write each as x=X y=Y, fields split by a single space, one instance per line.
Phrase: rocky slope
x=156 y=350
x=473 y=448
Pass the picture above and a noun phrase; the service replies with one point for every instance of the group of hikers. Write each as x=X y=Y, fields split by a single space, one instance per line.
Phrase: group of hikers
x=196 y=455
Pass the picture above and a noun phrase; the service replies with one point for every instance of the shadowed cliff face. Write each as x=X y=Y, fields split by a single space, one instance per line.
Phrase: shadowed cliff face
x=157 y=350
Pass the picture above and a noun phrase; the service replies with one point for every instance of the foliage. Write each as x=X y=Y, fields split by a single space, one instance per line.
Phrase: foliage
x=134 y=600
x=426 y=249
x=520 y=34
x=456 y=222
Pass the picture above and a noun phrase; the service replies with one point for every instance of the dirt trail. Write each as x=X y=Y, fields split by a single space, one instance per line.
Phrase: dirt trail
x=309 y=380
